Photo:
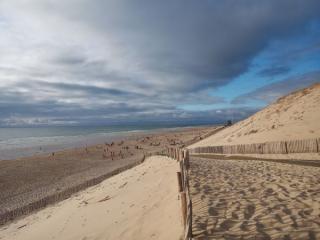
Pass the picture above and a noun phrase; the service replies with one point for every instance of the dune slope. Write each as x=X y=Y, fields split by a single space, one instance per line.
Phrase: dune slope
x=295 y=116
x=140 y=203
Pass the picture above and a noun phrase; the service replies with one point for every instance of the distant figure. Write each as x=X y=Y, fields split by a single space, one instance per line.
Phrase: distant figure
x=228 y=123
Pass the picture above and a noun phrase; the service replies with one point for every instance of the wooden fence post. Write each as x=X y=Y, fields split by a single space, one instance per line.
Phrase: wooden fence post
x=177 y=154
x=179 y=181
x=183 y=207
x=187 y=157
x=190 y=221
x=286 y=147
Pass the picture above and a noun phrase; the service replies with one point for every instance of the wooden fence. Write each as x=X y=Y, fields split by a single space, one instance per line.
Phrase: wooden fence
x=182 y=156
x=9 y=215
x=281 y=147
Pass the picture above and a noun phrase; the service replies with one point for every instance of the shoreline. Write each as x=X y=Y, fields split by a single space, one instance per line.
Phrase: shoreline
x=79 y=141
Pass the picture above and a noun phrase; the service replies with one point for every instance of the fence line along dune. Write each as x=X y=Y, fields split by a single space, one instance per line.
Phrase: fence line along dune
x=281 y=147
x=8 y=215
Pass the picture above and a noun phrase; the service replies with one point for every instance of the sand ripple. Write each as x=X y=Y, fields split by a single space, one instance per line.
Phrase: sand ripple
x=254 y=200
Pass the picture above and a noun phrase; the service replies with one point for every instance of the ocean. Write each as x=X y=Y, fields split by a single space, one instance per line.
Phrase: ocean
x=27 y=141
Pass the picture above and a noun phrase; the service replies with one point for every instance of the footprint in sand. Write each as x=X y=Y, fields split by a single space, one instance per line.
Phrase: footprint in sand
x=262 y=236
x=294 y=222
x=287 y=211
x=235 y=215
x=278 y=218
x=244 y=226
x=249 y=211
x=213 y=212
x=227 y=224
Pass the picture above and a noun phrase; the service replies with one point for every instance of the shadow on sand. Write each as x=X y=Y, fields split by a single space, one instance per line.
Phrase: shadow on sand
x=254 y=200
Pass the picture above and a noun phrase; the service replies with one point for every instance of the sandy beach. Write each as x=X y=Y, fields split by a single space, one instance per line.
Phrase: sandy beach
x=45 y=179
x=140 y=203
x=238 y=196
x=254 y=200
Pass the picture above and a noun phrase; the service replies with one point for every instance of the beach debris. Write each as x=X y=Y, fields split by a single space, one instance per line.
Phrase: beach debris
x=105 y=199
x=22 y=226
x=121 y=186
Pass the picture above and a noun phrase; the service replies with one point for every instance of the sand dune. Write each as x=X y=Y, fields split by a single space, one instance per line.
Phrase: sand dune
x=295 y=116
x=250 y=199
x=140 y=203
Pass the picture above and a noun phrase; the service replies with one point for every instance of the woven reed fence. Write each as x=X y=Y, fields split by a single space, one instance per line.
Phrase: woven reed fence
x=183 y=181
x=282 y=147
x=8 y=215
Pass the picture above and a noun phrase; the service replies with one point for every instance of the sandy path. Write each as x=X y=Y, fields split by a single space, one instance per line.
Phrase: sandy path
x=140 y=203
x=254 y=200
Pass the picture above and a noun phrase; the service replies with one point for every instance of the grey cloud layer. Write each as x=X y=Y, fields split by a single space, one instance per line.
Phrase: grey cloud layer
x=132 y=58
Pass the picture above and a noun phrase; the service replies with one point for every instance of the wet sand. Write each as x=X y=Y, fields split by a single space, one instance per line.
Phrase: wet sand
x=251 y=199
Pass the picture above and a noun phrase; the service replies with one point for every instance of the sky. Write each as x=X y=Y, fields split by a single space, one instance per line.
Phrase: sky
x=98 y=62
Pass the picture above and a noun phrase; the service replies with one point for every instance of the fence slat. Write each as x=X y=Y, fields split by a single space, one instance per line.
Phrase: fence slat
x=281 y=147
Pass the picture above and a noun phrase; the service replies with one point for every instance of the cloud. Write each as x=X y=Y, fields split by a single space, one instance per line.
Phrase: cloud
x=108 y=58
x=178 y=117
x=273 y=91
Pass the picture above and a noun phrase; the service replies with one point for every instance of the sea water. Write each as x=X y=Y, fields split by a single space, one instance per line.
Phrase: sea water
x=27 y=141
